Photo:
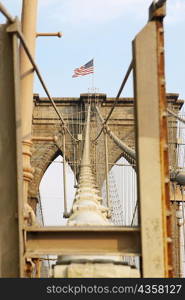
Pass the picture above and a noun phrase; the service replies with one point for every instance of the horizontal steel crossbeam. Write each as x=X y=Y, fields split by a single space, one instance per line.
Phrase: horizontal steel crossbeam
x=93 y=240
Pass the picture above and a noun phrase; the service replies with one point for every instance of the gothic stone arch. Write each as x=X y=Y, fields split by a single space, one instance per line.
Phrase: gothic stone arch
x=47 y=125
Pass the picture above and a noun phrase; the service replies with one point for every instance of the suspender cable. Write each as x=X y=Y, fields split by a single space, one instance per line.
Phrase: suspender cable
x=95 y=160
x=75 y=163
x=65 y=214
x=106 y=169
x=134 y=214
x=117 y=97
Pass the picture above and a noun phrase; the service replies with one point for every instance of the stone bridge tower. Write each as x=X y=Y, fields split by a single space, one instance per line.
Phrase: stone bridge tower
x=48 y=133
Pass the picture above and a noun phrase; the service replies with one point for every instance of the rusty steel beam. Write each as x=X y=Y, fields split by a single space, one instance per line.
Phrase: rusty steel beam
x=163 y=126
x=152 y=150
x=90 y=240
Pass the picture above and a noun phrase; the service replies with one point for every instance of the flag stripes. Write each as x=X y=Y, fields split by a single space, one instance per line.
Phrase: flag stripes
x=86 y=69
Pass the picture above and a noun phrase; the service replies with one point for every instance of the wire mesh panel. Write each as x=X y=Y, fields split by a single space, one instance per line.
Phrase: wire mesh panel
x=123 y=199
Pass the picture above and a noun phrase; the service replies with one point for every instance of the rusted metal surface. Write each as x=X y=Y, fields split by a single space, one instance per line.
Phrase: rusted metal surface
x=89 y=240
x=152 y=151
x=167 y=218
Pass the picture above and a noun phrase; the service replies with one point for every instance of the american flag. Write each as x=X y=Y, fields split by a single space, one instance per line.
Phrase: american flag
x=86 y=69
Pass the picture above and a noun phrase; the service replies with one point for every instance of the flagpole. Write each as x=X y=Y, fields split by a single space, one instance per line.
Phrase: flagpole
x=93 y=76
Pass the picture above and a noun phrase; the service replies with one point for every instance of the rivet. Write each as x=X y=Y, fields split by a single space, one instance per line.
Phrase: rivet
x=169 y=240
x=161 y=50
x=161 y=30
x=168 y=213
x=166 y=180
x=164 y=114
x=162 y=81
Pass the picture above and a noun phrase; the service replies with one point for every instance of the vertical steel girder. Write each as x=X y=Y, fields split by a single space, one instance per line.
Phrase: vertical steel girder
x=10 y=156
x=152 y=151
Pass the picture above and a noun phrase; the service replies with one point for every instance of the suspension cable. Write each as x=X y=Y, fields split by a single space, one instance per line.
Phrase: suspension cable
x=30 y=57
x=116 y=99
x=6 y=13
x=175 y=115
x=65 y=214
x=130 y=153
x=20 y=35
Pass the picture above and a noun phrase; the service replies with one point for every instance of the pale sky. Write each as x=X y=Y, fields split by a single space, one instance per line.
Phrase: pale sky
x=103 y=30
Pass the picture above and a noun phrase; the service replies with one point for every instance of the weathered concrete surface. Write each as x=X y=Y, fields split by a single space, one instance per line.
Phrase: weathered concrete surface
x=93 y=270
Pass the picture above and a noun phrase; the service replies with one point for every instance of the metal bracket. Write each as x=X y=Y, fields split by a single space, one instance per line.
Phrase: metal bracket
x=14 y=27
x=157 y=10
x=58 y=34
